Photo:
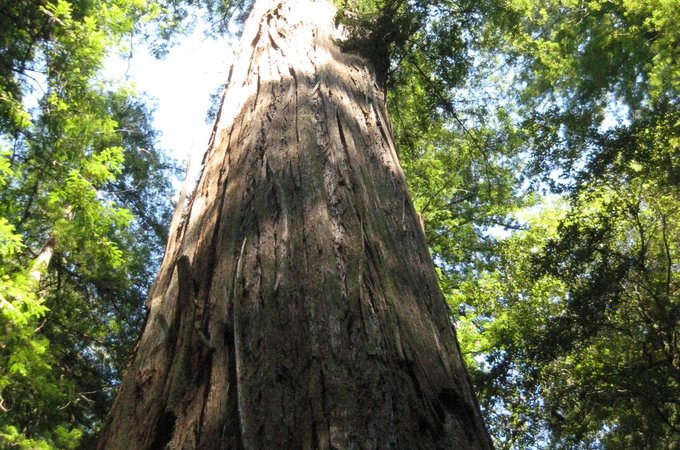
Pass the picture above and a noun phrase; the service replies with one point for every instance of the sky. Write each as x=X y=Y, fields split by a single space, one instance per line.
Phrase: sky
x=179 y=85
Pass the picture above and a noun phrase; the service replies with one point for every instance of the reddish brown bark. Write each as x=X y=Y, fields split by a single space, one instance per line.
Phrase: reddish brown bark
x=297 y=305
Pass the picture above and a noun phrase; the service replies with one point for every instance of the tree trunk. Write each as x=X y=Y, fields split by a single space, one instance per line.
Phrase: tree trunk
x=297 y=306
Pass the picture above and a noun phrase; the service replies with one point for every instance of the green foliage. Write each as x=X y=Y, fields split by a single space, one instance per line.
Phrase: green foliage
x=83 y=203
x=61 y=438
x=616 y=252
x=498 y=305
x=574 y=328
x=173 y=18
x=571 y=328
x=403 y=39
x=581 y=63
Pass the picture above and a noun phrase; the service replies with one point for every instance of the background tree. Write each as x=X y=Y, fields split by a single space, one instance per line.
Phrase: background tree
x=84 y=202
x=573 y=327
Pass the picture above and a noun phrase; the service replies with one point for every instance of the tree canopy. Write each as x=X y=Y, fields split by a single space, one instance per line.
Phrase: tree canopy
x=574 y=326
x=85 y=202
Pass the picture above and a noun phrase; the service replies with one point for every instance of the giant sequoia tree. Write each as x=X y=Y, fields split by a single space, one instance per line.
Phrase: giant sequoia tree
x=297 y=305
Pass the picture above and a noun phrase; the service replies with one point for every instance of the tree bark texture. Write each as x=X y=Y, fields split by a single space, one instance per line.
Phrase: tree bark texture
x=297 y=306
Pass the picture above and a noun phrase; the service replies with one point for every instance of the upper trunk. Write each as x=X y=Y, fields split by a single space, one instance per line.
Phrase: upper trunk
x=297 y=306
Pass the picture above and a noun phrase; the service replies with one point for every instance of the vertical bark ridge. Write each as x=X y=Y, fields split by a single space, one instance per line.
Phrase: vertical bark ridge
x=313 y=317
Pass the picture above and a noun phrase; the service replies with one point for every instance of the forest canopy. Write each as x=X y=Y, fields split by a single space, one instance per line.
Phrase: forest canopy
x=541 y=145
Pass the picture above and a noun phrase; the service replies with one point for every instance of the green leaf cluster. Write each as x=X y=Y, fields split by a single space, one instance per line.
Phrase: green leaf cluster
x=571 y=333
x=84 y=201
